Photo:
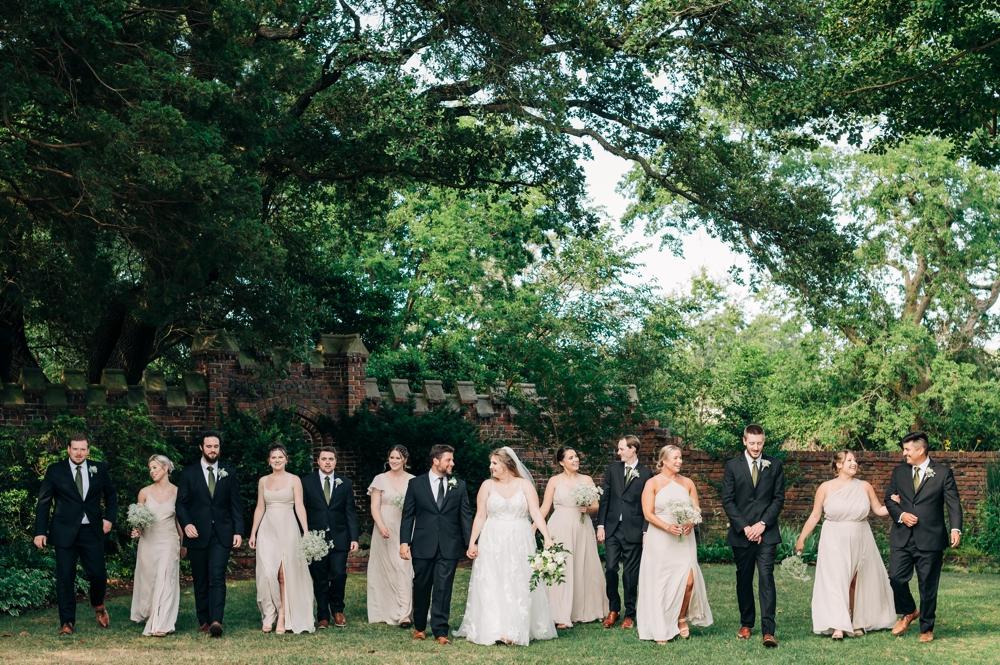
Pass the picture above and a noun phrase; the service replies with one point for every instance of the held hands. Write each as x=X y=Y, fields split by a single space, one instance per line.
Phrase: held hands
x=754 y=532
x=473 y=551
x=107 y=526
x=909 y=519
x=190 y=531
x=600 y=534
x=404 y=552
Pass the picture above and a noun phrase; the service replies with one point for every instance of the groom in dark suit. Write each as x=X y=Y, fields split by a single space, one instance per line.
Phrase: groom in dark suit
x=621 y=526
x=435 y=532
x=329 y=502
x=210 y=512
x=918 y=536
x=78 y=527
x=753 y=494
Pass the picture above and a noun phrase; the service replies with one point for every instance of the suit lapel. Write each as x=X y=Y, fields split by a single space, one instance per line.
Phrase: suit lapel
x=745 y=466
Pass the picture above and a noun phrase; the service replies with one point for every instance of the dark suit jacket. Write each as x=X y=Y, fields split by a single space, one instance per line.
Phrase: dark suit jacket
x=340 y=518
x=927 y=504
x=60 y=484
x=196 y=506
x=745 y=505
x=625 y=502
x=425 y=527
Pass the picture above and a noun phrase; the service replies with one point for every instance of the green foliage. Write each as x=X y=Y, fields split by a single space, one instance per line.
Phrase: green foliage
x=786 y=548
x=986 y=536
x=369 y=435
x=715 y=552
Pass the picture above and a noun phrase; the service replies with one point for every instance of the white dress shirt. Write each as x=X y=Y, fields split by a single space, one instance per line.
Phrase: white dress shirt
x=85 y=474
x=435 y=483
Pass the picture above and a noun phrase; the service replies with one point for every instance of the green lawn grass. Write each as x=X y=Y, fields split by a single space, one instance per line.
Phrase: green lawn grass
x=967 y=632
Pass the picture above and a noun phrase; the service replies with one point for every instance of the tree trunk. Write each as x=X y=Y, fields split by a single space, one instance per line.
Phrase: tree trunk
x=14 y=351
x=121 y=341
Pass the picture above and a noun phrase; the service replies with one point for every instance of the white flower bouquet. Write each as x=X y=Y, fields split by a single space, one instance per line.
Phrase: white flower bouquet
x=583 y=494
x=397 y=501
x=140 y=517
x=684 y=511
x=313 y=546
x=794 y=568
x=548 y=567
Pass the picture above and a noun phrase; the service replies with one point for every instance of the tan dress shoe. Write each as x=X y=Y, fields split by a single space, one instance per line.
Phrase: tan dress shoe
x=323 y=624
x=339 y=620
x=628 y=623
x=770 y=642
x=927 y=637
x=611 y=619
x=67 y=628
x=443 y=640
x=744 y=633
x=101 y=614
x=203 y=630
x=904 y=622
x=419 y=635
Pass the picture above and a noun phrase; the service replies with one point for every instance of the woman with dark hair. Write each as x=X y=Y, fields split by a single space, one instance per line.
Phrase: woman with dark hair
x=851 y=594
x=284 y=586
x=581 y=598
x=390 y=578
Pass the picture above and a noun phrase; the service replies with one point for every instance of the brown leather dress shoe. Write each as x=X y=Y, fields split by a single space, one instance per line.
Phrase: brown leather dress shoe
x=419 y=635
x=770 y=642
x=443 y=640
x=927 y=637
x=215 y=630
x=339 y=620
x=203 y=630
x=101 y=614
x=67 y=628
x=904 y=622
x=323 y=624
x=744 y=633
x=629 y=622
x=611 y=619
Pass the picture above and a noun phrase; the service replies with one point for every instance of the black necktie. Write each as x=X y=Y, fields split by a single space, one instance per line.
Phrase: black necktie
x=440 y=493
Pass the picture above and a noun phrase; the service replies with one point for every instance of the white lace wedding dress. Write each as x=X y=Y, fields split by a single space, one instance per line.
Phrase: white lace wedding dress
x=500 y=606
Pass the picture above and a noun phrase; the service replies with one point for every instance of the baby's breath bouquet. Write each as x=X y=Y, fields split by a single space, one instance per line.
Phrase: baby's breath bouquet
x=140 y=517
x=583 y=494
x=313 y=546
x=548 y=567
x=684 y=512
x=398 y=500
x=794 y=568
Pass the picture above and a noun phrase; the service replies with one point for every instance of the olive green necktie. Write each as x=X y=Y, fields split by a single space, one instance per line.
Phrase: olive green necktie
x=916 y=478
x=211 y=482
x=79 y=481
x=754 y=473
x=326 y=489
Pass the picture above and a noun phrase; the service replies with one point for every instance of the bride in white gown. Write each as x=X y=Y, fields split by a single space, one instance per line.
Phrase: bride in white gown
x=500 y=607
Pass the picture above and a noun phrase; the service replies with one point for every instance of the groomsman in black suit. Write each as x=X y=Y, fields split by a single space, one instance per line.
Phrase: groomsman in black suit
x=621 y=526
x=753 y=494
x=210 y=512
x=435 y=532
x=78 y=527
x=918 y=536
x=329 y=503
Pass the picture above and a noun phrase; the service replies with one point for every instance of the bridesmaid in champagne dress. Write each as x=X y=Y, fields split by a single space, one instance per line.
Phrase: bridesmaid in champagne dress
x=851 y=594
x=581 y=598
x=671 y=586
x=284 y=586
x=390 y=578
x=156 y=590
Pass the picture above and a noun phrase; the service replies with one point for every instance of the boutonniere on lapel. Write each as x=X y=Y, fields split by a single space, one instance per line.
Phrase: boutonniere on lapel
x=929 y=473
x=222 y=474
x=452 y=483
x=337 y=482
x=91 y=469
x=764 y=463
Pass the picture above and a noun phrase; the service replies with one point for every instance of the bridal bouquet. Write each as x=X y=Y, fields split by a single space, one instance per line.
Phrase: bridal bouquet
x=313 y=547
x=140 y=517
x=684 y=511
x=794 y=568
x=398 y=500
x=548 y=567
x=583 y=495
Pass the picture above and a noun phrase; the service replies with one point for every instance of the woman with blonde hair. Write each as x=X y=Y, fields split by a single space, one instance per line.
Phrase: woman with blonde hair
x=671 y=586
x=851 y=594
x=156 y=589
